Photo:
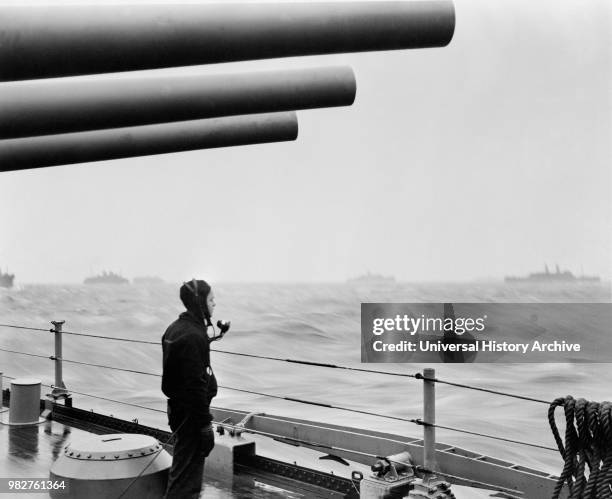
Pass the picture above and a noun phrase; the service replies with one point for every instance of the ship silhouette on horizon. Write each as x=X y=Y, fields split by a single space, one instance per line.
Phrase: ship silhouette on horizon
x=548 y=276
x=6 y=280
x=372 y=279
x=106 y=278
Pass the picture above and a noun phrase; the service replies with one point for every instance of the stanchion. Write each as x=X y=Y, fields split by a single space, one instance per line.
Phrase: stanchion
x=2 y=409
x=429 y=418
x=59 y=389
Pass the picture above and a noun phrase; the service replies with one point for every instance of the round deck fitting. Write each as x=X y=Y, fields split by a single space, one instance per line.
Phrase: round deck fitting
x=99 y=466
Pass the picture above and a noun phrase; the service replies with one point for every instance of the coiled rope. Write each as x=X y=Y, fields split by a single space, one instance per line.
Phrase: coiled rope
x=588 y=441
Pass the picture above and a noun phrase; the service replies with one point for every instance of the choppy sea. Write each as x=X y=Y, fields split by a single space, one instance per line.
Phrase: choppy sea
x=312 y=322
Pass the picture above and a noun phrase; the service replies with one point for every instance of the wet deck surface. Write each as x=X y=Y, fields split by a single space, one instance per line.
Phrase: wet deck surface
x=29 y=452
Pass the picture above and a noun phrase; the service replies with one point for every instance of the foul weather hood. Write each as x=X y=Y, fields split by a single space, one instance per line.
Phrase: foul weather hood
x=193 y=295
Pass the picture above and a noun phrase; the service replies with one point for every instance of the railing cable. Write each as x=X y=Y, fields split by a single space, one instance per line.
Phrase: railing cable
x=300 y=401
x=28 y=354
x=485 y=435
x=290 y=399
x=304 y=362
x=253 y=392
x=270 y=418
x=316 y=364
x=227 y=352
x=102 y=366
x=417 y=376
x=102 y=337
x=131 y=404
x=28 y=328
x=113 y=400
x=487 y=390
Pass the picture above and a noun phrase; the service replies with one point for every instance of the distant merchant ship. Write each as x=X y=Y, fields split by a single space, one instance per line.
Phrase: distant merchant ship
x=106 y=278
x=6 y=280
x=372 y=279
x=557 y=276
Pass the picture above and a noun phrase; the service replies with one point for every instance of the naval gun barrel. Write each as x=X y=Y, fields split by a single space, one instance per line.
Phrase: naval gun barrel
x=46 y=41
x=55 y=106
x=100 y=145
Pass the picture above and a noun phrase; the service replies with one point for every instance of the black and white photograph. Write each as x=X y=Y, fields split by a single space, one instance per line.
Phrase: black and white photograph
x=264 y=249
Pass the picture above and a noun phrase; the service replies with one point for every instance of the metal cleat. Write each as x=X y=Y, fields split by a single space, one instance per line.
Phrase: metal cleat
x=432 y=487
x=237 y=431
x=392 y=477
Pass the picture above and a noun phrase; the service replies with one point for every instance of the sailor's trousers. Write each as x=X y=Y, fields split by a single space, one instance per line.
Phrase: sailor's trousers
x=193 y=443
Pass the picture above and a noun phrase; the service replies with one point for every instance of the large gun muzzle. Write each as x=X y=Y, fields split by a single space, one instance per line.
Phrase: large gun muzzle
x=99 y=145
x=51 y=41
x=55 y=106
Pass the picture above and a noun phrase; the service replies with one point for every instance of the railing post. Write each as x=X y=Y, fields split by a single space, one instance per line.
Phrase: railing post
x=429 y=418
x=2 y=409
x=59 y=390
x=59 y=378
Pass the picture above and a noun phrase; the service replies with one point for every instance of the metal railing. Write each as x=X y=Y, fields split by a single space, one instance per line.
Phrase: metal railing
x=428 y=422
x=503 y=476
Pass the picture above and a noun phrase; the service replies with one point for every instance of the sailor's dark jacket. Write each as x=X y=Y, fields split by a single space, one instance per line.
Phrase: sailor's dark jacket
x=188 y=380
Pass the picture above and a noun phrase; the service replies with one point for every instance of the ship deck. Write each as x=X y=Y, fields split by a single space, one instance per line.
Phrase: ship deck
x=28 y=452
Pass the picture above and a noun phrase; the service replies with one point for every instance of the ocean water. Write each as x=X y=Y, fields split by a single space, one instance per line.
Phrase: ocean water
x=312 y=322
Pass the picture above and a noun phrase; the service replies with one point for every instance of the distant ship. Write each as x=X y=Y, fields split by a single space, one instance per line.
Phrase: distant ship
x=106 y=278
x=372 y=279
x=6 y=280
x=557 y=276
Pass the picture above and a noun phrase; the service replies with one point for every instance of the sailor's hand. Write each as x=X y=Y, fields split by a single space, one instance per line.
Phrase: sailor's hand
x=207 y=439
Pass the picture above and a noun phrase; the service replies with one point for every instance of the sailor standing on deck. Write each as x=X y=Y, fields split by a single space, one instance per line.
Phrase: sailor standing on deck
x=190 y=385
